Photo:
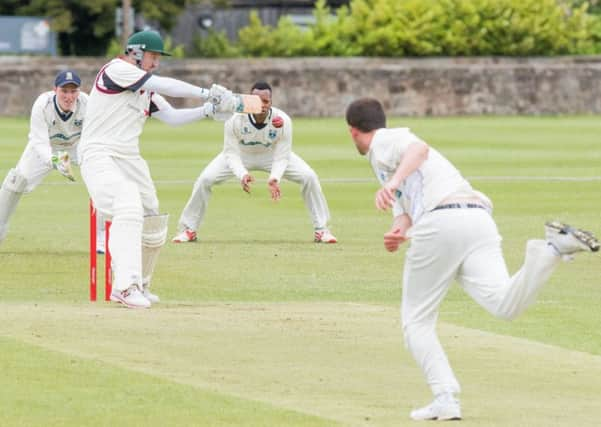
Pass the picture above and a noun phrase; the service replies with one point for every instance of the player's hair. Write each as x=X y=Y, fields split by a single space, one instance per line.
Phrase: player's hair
x=261 y=86
x=366 y=114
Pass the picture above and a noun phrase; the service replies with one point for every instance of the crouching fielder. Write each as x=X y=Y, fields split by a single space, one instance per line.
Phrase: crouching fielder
x=124 y=95
x=257 y=142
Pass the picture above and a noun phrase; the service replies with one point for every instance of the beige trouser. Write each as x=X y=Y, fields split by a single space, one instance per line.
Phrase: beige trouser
x=462 y=245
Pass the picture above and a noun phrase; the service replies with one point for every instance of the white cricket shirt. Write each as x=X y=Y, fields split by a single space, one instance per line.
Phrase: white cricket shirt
x=243 y=139
x=52 y=129
x=434 y=181
x=117 y=110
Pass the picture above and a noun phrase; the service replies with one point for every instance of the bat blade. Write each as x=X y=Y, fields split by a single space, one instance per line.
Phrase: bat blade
x=249 y=104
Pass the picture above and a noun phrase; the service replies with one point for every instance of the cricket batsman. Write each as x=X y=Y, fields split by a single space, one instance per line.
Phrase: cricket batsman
x=125 y=93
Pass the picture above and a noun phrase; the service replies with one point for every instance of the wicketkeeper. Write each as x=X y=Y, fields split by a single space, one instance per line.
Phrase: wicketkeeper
x=55 y=128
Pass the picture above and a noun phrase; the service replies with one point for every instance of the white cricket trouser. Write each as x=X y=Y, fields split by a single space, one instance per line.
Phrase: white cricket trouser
x=217 y=171
x=122 y=189
x=462 y=244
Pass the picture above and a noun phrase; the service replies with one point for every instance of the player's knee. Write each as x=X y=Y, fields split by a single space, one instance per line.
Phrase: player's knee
x=3 y=231
x=205 y=181
x=15 y=182
x=127 y=203
x=310 y=179
x=151 y=205
x=411 y=332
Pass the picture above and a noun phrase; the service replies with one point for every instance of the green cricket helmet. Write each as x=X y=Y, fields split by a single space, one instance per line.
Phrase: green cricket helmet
x=145 y=41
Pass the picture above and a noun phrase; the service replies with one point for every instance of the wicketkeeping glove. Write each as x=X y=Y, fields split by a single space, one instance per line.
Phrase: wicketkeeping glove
x=62 y=163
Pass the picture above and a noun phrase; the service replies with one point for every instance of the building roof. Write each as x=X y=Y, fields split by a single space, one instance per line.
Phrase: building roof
x=283 y=3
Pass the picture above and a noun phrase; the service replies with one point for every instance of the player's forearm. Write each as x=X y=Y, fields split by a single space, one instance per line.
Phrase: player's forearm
x=281 y=155
x=38 y=138
x=41 y=146
x=173 y=87
x=44 y=153
x=401 y=222
x=234 y=162
x=180 y=116
x=278 y=168
x=413 y=158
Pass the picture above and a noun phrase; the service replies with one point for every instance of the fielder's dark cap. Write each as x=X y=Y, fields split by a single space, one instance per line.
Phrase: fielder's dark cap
x=67 y=77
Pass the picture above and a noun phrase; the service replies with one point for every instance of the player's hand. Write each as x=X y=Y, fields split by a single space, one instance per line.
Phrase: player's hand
x=246 y=181
x=393 y=239
x=208 y=109
x=62 y=163
x=225 y=101
x=274 y=189
x=217 y=92
x=385 y=198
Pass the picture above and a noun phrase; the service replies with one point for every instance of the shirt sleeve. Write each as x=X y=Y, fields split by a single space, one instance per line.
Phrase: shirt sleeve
x=162 y=110
x=173 y=87
x=231 y=148
x=39 y=139
x=121 y=75
x=386 y=159
x=281 y=151
x=390 y=154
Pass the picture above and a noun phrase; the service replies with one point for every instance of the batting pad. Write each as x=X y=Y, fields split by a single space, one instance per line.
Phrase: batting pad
x=14 y=182
x=154 y=232
x=154 y=235
x=10 y=193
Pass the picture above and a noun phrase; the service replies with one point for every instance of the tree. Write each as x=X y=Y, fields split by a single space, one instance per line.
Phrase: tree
x=86 y=27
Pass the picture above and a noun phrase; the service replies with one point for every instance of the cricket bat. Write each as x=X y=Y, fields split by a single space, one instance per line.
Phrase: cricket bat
x=248 y=103
x=242 y=103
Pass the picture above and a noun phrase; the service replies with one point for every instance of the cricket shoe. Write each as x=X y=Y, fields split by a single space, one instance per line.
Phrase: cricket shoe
x=100 y=247
x=567 y=240
x=324 y=236
x=445 y=407
x=149 y=295
x=130 y=297
x=185 y=236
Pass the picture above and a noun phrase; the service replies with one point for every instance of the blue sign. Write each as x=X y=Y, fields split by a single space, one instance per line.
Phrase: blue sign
x=26 y=34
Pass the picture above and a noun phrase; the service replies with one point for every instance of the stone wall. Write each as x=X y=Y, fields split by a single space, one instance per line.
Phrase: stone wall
x=324 y=86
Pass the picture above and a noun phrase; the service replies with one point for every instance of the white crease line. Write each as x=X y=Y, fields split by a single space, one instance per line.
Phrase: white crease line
x=368 y=180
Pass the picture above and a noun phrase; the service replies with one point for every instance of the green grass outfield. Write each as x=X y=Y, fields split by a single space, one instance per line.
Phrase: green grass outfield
x=259 y=326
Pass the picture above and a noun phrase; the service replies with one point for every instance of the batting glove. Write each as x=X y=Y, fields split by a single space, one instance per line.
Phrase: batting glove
x=207 y=110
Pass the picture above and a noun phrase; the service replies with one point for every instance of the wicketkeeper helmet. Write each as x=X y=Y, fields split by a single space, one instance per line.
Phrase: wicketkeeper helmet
x=145 y=41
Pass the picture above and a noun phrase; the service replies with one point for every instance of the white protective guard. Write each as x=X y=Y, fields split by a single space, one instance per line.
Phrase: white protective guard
x=154 y=236
x=12 y=189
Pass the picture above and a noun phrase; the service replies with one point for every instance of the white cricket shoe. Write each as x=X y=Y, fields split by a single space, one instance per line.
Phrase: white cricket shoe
x=567 y=240
x=131 y=297
x=324 y=236
x=149 y=295
x=444 y=407
x=185 y=236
